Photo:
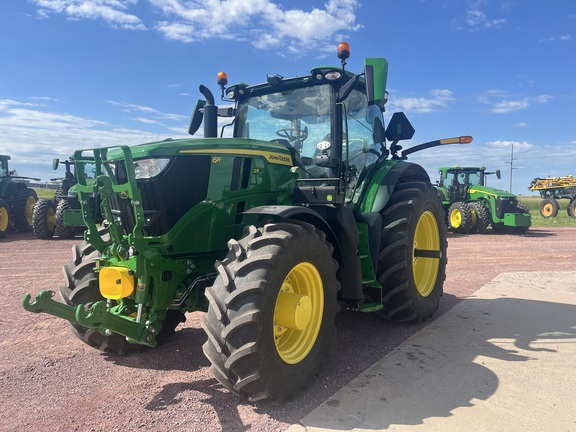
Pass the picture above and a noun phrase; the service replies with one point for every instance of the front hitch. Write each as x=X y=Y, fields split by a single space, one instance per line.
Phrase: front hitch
x=97 y=317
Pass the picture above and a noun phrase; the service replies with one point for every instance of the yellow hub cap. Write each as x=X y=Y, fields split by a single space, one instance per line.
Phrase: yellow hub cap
x=425 y=264
x=50 y=219
x=30 y=210
x=455 y=218
x=298 y=313
x=3 y=219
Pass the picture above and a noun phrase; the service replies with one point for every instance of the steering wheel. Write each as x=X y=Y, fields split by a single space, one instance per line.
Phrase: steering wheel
x=293 y=135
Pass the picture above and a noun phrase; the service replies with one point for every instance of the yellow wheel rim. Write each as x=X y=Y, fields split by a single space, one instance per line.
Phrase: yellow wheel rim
x=298 y=313
x=547 y=209
x=3 y=219
x=455 y=218
x=50 y=219
x=474 y=216
x=425 y=268
x=30 y=209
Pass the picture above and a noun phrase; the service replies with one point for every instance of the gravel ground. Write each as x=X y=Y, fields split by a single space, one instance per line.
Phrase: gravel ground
x=51 y=381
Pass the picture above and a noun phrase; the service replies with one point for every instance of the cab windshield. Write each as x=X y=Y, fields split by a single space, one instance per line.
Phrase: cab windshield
x=301 y=118
x=465 y=178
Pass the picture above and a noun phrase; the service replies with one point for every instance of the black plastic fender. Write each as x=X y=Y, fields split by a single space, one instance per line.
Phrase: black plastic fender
x=405 y=171
x=339 y=225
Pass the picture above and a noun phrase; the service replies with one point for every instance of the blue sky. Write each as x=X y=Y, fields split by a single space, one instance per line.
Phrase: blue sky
x=89 y=73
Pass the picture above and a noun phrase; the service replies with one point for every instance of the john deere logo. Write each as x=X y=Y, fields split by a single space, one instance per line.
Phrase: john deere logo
x=279 y=158
x=216 y=159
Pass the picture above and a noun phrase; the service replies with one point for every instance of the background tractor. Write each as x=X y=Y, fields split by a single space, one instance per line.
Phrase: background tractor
x=551 y=189
x=16 y=200
x=60 y=216
x=300 y=205
x=472 y=207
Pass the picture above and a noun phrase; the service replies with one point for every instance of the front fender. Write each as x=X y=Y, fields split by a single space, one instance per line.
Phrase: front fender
x=303 y=214
x=383 y=181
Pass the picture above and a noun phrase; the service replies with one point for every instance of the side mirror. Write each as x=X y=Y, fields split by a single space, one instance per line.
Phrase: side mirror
x=498 y=175
x=55 y=163
x=376 y=74
x=399 y=128
x=197 y=117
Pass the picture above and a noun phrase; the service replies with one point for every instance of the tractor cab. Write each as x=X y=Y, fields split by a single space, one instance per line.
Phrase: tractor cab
x=330 y=122
x=458 y=180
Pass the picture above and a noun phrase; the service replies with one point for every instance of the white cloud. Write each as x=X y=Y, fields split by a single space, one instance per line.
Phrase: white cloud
x=507 y=106
x=438 y=99
x=476 y=19
x=114 y=12
x=263 y=23
x=127 y=107
x=31 y=134
x=518 y=145
x=502 y=102
x=563 y=38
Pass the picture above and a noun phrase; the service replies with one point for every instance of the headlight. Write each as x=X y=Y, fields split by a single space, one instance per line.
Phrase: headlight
x=148 y=168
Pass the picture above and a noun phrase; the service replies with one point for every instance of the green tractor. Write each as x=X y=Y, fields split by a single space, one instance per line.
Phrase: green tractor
x=302 y=206
x=17 y=200
x=50 y=216
x=472 y=207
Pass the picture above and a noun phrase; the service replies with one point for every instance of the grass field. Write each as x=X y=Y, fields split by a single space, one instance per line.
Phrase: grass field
x=45 y=193
x=561 y=220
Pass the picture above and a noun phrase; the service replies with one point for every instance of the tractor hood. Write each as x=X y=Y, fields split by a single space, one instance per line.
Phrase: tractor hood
x=485 y=190
x=271 y=151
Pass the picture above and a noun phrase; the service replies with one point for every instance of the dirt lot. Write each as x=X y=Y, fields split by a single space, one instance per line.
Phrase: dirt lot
x=51 y=381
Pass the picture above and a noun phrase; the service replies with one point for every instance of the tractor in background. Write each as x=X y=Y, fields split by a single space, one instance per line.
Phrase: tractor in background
x=306 y=205
x=551 y=189
x=472 y=207
x=17 y=200
x=53 y=217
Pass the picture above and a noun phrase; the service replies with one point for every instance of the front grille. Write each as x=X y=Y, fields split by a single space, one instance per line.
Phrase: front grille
x=166 y=197
x=505 y=205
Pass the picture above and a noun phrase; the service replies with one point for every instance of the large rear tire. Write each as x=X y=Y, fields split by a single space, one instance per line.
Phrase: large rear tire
x=23 y=209
x=483 y=217
x=412 y=259
x=4 y=218
x=271 y=311
x=44 y=219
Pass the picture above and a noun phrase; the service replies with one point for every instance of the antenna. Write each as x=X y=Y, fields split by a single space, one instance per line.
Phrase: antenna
x=512 y=159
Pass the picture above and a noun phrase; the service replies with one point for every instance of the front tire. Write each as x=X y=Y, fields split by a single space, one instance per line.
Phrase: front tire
x=412 y=259
x=44 y=219
x=63 y=231
x=460 y=218
x=81 y=288
x=271 y=311
x=549 y=208
x=572 y=208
